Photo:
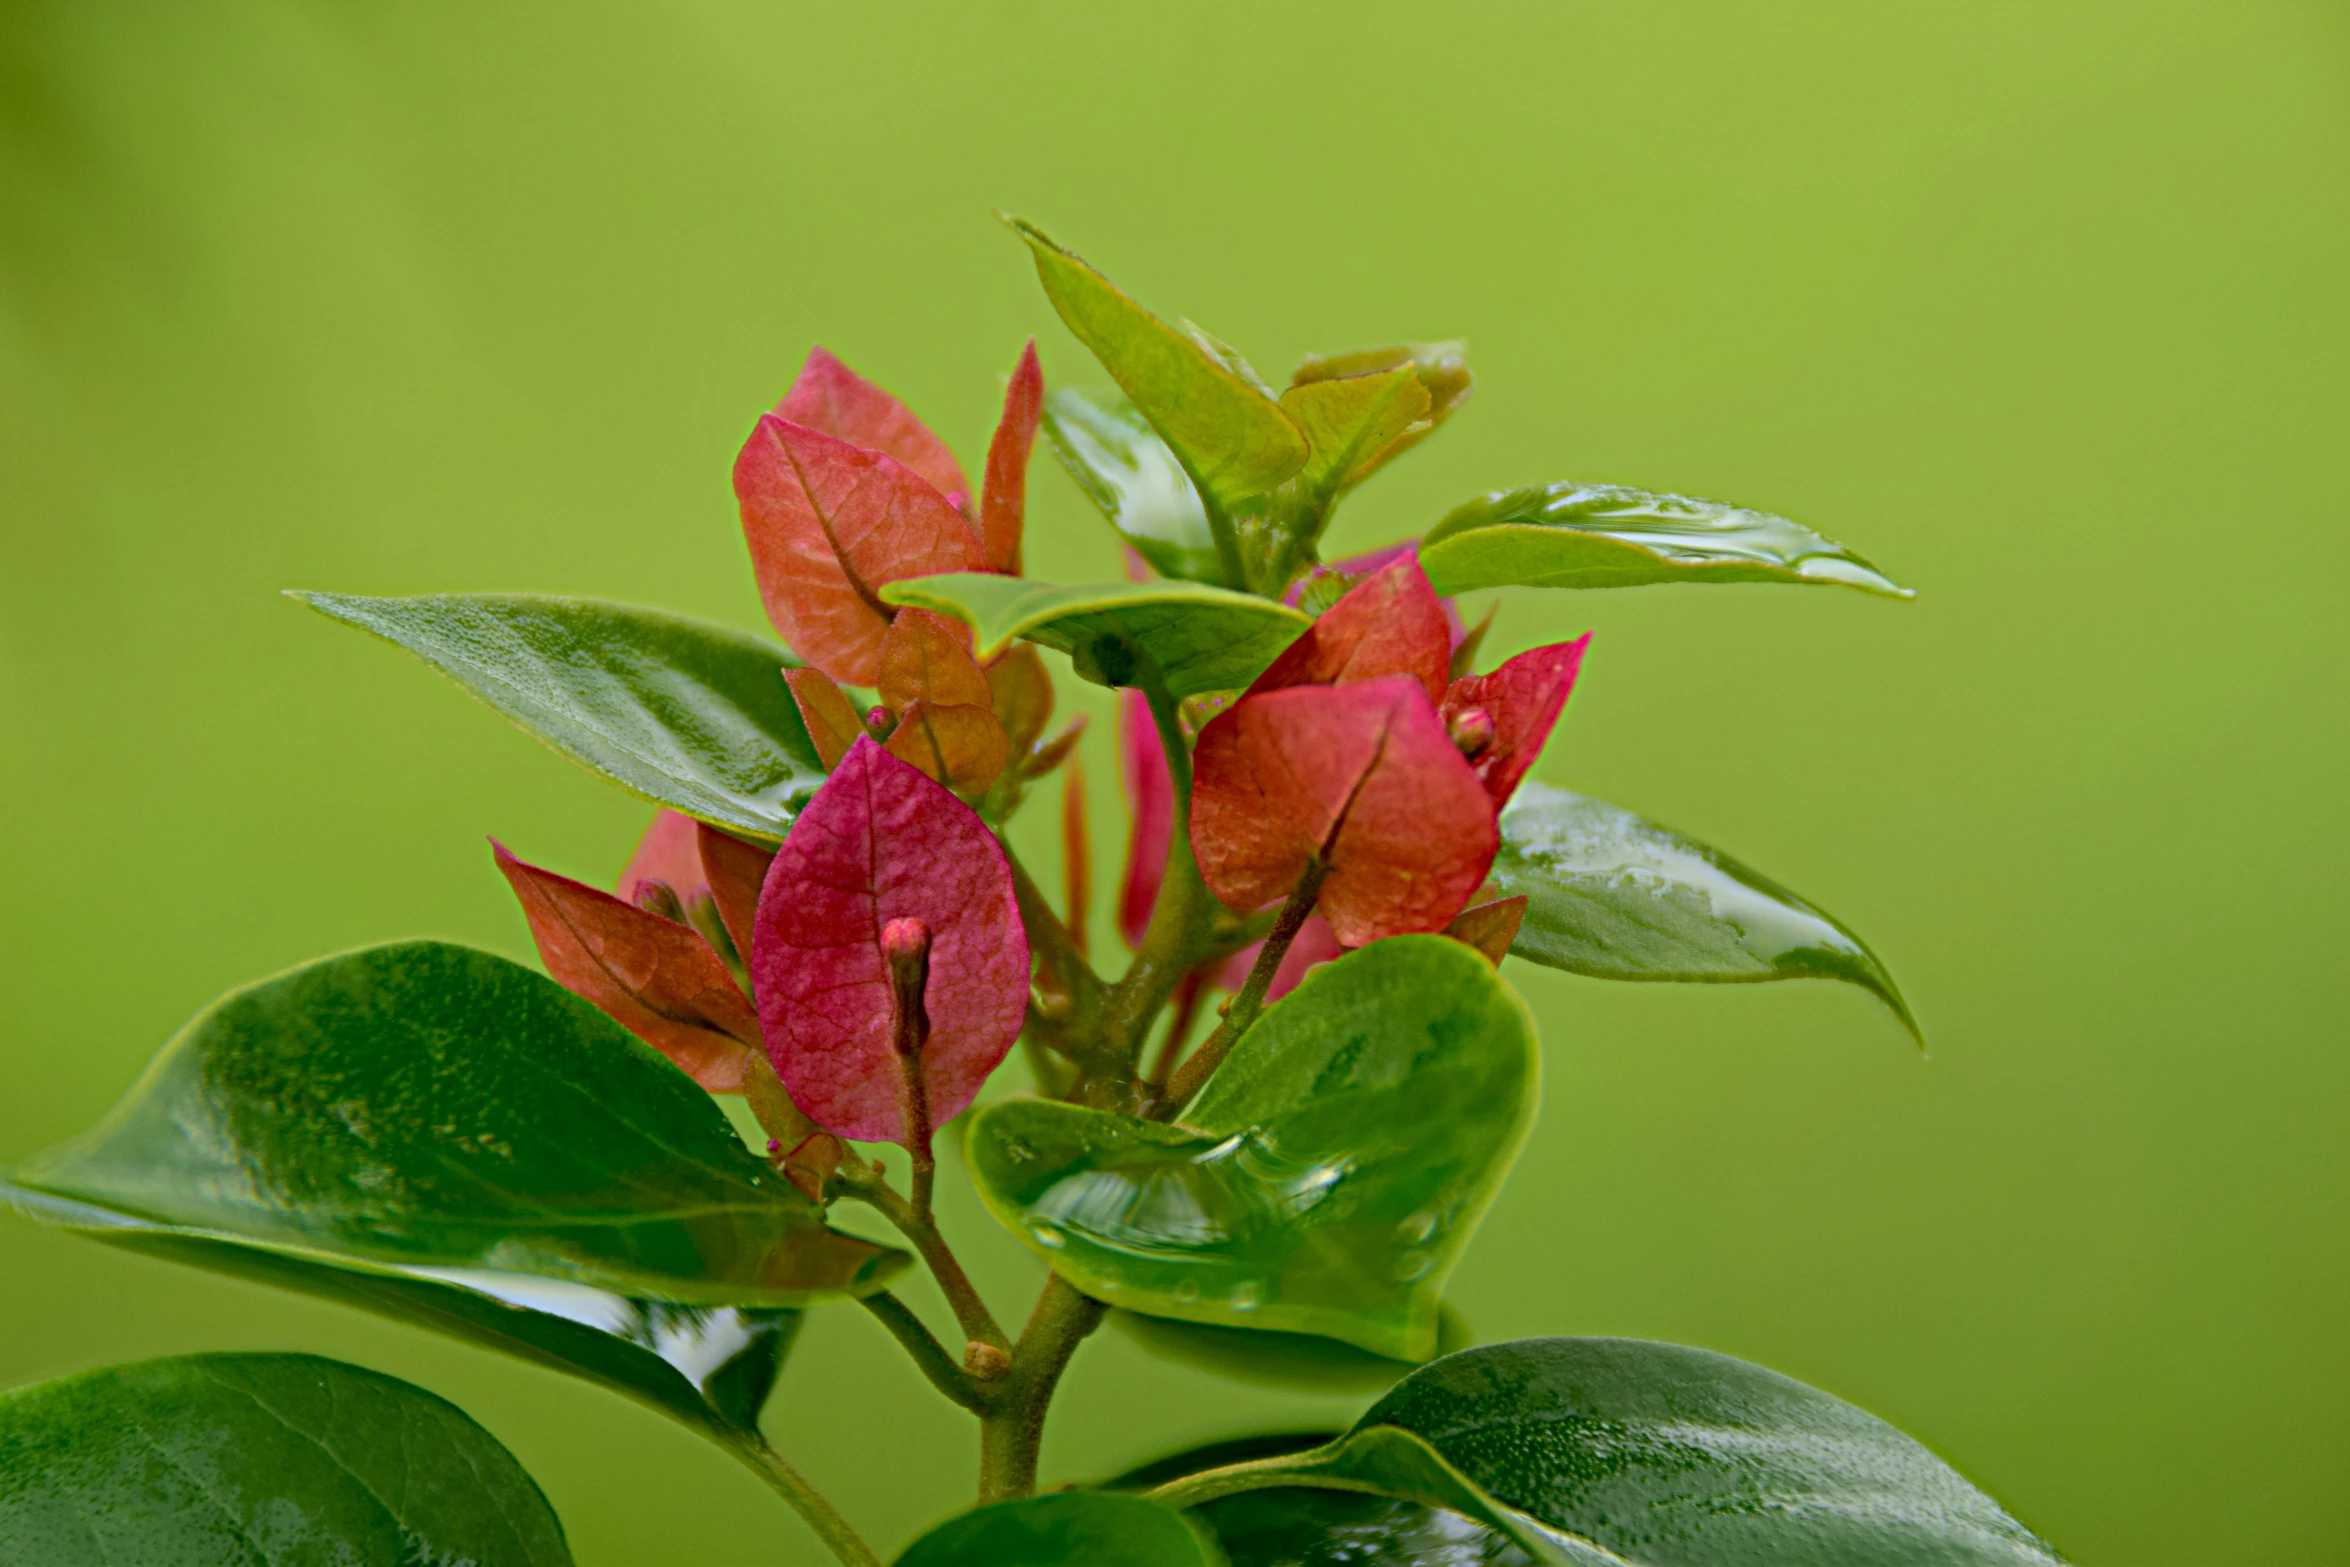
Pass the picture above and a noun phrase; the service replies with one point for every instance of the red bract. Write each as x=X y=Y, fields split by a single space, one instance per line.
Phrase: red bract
x=1003 y=509
x=1389 y=623
x=696 y=863
x=1362 y=778
x=653 y=976
x=1150 y=798
x=881 y=842
x=1521 y=702
x=827 y=395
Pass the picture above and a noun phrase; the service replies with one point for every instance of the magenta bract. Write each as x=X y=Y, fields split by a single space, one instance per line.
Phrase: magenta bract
x=881 y=842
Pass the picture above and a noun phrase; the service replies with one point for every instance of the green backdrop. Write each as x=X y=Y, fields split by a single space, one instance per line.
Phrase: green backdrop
x=2041 y=306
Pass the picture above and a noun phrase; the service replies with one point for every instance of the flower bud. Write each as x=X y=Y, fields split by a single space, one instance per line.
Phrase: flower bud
x=879 y=721
x=658 y=897
x=905 y=947
x=1472 y=732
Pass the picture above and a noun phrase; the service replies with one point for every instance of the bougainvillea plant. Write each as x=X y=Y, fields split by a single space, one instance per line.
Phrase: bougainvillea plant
x=1277 y=1128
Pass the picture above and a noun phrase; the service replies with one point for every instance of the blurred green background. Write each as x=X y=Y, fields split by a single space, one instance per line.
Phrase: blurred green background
x=2045 y=307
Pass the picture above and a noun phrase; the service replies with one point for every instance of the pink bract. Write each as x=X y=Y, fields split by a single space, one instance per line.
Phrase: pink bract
x=881 y=842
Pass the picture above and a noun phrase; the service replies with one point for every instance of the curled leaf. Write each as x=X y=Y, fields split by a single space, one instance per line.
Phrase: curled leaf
x=652 y=976
x=1003 y=509
x=832 y=721
x=828 y=396
x=881 y=842
x=828 y=524
x=1443 y=372
x=1389 y=623
x=1520 y=704
x=1361 y=778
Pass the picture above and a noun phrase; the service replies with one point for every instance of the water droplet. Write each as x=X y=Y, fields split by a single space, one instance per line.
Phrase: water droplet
x=1046 y=1235
x=1412 y=1264
x=1187 y=1291
x=1417 y=1228
x=1246 y=1296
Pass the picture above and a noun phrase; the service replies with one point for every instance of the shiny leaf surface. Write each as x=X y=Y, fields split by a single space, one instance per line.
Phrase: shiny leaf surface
x=681 y=712
x=1123 y=467
x=1064 y=1529
x=1291 y=1527
x=258 y=1459
x=1178 y=636
x=436 y=1112
x=1325 y=1181
x=880 y=843
x=1614 y=896
x=1229 y=434
x=1677 y=1457
x=1266 y=1358
x=1608 y=536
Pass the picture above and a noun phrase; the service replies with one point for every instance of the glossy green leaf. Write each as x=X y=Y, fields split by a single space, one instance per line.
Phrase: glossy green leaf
x=1677 y=1457
x=684 y=713
x=1304 y=1361
x=1123 y=467
x=1182 y=637
x=217 y=1459
x=1064 y=1529
x=1325 y=1181
x=1616 y=897
x=1608 y=536
x=1215 y=415
x=446 y=1137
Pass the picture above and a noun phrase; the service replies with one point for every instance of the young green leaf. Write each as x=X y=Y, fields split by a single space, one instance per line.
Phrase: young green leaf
x=1003 y=510
x=1064 y=1529
x=1361 y=779
x=1677 y=1457
x=1231 y=437
x=655 y=977
x=430 y=1111
x=1294 y=1527
x=1617 y=897
x=1266 y=1358
x=1325 y=1181
x=1443 y=371
x=680 y=712
x=882 y=845
x=259 y=1458
x=1608 y=536
x=1122 y=466
x=1179 y=637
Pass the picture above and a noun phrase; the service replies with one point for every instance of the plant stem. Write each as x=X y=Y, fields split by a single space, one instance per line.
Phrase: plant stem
x=1175 y=938
x=1011 y=1433
x=859 y=1180
x=814 y=1509
x=1187 y=998
x=929 y=1355
x=1251 y=1000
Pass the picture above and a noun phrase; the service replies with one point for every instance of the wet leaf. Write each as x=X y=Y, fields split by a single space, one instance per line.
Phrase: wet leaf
x=1180 y=636
x=1003 y=510
x=1362 y=778
x=1520 y=703
x=1665 y=1456
x=680 y=712
x=1122 y=466
x=828 y=524
x=1063 y=1529
x=830 y=397
x=1389 y=623
x=881 y=842
x=658 y=979
x=254 y=1458
x=1617 y=897
x=1325 y=1181
x=1263 y=1358
x=1608 y=536
x=1231 y=437
x=831 y=719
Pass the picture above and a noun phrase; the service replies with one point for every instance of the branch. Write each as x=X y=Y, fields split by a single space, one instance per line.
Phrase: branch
x=815 y=1511
x=1243 y=1011
x=929 y=1355
x=863 y=1182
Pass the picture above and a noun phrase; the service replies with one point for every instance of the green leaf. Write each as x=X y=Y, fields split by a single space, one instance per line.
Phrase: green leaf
x=681 y=712
x=258 y=1458
x=1607 y=536
x=1326 y=1180
x=1064 y=1529
x=1656 y=1455
x=1182 y=637
x=1124 y=468
x=1305 y=1361
x=1214 y=413
x=1616 y=897
x=443 y=1136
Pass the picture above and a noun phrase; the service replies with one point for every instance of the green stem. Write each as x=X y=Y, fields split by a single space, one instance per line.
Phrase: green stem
x=860 y=1181
x=929 y=1355
x=814 y=1509
x=1011 y=1433
x=1244 y=1009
